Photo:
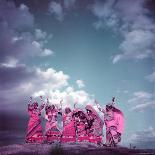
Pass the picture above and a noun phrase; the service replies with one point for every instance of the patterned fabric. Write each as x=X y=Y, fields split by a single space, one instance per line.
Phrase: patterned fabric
x=81 y=124
x=95 y=131
x=114 y=126
x=68 y=134
x=34 y=133
x=52 y=132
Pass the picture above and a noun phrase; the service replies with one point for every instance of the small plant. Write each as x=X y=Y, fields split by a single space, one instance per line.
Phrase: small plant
x=57 y=150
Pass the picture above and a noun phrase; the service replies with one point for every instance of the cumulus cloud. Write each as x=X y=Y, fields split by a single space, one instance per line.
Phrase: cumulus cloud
x=141 y=101
x=39 y=34
x=144 y=138
x=151 y=77
x=68 y=95
x=16 y=18
x=46 y=52
x=56 y=9
x=130 y=20
x=80 y=83
x=18 y=38
x=69 y=3
x=59 y=10
x=20 y=82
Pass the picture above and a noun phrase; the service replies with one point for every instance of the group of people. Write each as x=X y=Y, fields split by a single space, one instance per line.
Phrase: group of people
x=78 y=125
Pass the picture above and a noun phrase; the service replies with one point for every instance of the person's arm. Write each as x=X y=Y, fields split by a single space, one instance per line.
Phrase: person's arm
x=75 y=104
x=99 y=107
x=60 y=109
x=42 y=104
x=30 y=104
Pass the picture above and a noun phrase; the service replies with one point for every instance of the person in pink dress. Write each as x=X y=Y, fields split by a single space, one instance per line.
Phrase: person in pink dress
x=81 y=125
x=52 y=132
x=114 y=121
x=34 y=133
x=68 y=134
x=95 y=130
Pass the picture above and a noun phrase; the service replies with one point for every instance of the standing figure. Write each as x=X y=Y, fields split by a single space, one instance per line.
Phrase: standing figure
x=95 y=124
x=81 y=125
x=34 y=133
x=114 y=121
x=52 y=132
x=68 y=134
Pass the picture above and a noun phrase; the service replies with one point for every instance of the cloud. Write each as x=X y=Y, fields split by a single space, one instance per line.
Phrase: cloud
x=19 y=39
x=69 y=3
x=80 y=83
x=20 y=82
x=151 y=77
x=39 y=34
x=69 y=96
x=52 y=79
x=13 y=17
x=56 y=9
x=132 y=22
x=59 y=10
x=144 y=138
x=141 y=101
x=46 y=52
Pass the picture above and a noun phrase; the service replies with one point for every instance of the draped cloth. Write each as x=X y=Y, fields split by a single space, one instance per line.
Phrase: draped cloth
x=95 y=130
x=52 y=132
x=114 y=121
x=81 y=124
x=34 y=133
x=68 y=134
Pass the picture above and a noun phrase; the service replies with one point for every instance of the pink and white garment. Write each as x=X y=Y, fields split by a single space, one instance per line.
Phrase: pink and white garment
x=68 y=134
x=114 y=121
x=95 y=130
x=81 y=125
x=52 y=132
x=34 y=133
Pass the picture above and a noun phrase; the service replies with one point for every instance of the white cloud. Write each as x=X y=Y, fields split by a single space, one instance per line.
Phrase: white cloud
x=17 y=42
x=80 y=83
x=69 y=98
x=151 y=77
x=51 y=79
x=56 y=9
x=23 y=7
x=141 y=101
x=131 y=21
x=39 y=34
x=117 y=58
x=12 y=62
x=59 y=10
x=69 y=3
x=137 y=44
x=144 y=138
x=46 y=52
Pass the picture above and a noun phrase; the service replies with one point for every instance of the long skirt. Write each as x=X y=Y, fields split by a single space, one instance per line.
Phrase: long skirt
x=34 y=134
x=52 y=134
x=112 y=137
x=82 y=135
x=68 y=134
x=94 y=137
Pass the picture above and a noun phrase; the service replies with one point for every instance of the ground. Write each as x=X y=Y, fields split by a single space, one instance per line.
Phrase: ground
x=68 y=149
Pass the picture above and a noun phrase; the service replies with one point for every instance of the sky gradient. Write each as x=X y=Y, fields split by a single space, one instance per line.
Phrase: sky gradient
x=79 y=50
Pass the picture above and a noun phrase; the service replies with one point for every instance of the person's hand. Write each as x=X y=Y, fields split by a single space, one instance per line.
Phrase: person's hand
x=113 y=99
x=96 y=101
x=75 y=103
x=61 y=101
